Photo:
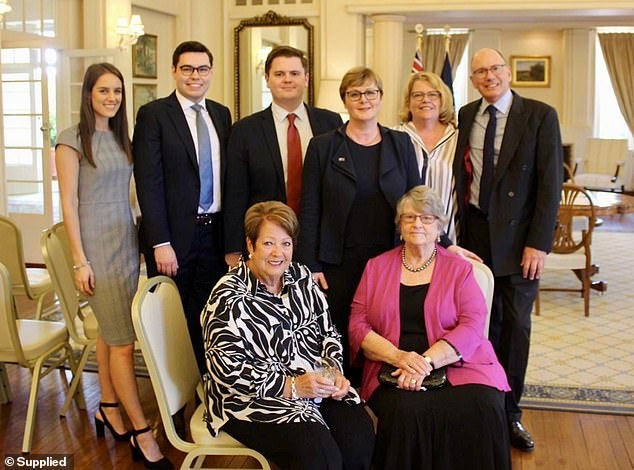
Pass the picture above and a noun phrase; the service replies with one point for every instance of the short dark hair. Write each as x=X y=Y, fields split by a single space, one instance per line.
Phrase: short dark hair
x=285 y=51
x=191 y=46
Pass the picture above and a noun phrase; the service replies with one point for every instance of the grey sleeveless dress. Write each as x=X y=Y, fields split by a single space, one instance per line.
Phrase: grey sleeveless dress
x=108 y=233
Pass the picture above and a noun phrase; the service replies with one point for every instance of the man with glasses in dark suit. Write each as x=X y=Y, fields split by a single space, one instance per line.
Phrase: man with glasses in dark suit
x=179 y=150
x=508 y=169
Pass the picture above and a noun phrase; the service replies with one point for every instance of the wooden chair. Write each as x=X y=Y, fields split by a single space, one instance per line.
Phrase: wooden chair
x=572 y=248
x=38 y=345
x=161 y=330
x=34 y=283
x=602 y=167
x=79 y=318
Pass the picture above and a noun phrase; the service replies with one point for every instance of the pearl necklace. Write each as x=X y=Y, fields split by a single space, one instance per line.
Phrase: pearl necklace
x=424 y=266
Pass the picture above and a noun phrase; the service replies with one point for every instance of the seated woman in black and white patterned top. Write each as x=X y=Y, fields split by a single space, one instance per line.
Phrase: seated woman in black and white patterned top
x=266 y=326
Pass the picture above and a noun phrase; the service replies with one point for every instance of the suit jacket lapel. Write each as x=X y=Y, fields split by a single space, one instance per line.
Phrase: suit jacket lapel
x=515 y=125
x=340 y=159
x=182 y=129
x=270 y=137
x=317 y=126
x=221 y=130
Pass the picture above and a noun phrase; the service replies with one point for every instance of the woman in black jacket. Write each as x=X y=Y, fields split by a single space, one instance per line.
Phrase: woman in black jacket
x=352 y=179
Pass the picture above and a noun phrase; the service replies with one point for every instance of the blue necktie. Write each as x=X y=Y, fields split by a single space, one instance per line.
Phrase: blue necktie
x=488 y=166
x=205 y=169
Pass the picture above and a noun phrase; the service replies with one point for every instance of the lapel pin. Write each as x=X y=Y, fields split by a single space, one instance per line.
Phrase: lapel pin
x=341 y=159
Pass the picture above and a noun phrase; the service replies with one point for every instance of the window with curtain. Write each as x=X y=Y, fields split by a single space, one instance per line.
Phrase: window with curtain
x=609 y=122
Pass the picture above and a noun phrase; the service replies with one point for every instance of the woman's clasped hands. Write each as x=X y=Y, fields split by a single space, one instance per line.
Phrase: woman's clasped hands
x=412 y=368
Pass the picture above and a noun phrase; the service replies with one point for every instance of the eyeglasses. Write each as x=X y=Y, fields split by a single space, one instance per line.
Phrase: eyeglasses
x=421 y=95
x=425 y=219
x=188 y=70
x=370 y=95
x=483 y=72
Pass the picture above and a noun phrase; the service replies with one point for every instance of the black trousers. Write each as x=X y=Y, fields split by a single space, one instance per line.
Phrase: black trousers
x=343 y=280
x=198 y=272
x=348 y=444
x=510 y=325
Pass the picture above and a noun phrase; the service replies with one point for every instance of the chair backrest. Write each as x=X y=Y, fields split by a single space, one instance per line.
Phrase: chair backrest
x=484 y=278
x=567 y=239
x=161 y=330
x=604 y=155
x=569 y=174
x=10 y=346
x=12 y=256
x=56 y=252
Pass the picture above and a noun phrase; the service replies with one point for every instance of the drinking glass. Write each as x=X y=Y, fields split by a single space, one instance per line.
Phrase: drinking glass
x=326 y=368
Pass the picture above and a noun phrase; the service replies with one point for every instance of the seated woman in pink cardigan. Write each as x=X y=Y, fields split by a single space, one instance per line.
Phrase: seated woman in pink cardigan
x=418 y=308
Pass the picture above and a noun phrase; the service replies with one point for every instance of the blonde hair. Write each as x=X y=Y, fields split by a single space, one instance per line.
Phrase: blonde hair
x=447 y=113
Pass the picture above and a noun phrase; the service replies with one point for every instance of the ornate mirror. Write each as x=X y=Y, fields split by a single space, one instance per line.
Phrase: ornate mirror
x=254 y=38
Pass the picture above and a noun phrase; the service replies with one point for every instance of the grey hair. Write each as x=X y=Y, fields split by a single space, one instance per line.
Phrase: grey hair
x=424 y=200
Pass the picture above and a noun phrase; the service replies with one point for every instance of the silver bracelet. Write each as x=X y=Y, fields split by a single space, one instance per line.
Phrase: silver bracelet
x=77 y=267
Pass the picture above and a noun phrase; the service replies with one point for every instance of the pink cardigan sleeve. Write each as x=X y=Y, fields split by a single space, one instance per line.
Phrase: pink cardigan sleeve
x=359 y=326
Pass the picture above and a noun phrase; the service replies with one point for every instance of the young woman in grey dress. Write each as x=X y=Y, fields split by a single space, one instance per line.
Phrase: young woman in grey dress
x=94 y=166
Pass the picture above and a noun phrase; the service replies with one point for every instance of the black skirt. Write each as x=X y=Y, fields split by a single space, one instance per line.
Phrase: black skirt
x=452 y=428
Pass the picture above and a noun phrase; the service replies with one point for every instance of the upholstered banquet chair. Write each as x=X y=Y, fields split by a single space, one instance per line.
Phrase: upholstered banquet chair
x=161 y=330
x=38 y=345
x=79 y=318
x=572 y=243
x=35 y=283
x=603 y=166
x=484 y=278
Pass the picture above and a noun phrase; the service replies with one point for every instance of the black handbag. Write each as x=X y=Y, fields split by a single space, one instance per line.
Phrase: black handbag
x=437 y=379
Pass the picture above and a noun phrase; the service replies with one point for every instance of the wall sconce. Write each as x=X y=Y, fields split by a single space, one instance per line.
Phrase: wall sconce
x=4 y=7
x=129 y=32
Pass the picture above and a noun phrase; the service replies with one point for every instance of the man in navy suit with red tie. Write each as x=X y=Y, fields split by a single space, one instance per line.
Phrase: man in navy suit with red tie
x=179 y=151
x=508 y=170
x=266 y=149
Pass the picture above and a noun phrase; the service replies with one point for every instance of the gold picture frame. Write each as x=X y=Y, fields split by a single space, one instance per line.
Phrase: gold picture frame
x=144 y=56
x=530 y=71
x=142 y=93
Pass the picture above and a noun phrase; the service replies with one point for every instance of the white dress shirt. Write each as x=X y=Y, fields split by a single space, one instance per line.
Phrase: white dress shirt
x=476 y=138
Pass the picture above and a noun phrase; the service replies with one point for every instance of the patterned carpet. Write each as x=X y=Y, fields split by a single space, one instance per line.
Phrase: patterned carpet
x=586 y=364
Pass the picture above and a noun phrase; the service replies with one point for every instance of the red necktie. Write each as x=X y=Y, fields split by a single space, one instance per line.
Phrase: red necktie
x=294 y=165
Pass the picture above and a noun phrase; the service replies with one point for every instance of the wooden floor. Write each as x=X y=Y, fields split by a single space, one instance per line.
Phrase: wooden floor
x=564 y=440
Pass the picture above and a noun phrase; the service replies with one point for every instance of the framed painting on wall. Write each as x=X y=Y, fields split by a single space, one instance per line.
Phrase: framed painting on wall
x=530 y=71
x=144 y=57
x=142 y=93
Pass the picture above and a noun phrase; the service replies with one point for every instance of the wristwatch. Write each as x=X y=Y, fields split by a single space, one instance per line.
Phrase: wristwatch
x=429 y=361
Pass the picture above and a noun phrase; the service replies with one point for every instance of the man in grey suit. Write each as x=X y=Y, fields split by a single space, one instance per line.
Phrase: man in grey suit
x=179 y=151
x=508 y=170
x=259 y=166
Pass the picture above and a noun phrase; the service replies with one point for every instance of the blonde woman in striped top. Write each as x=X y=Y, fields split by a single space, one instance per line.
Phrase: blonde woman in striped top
x=428 y=117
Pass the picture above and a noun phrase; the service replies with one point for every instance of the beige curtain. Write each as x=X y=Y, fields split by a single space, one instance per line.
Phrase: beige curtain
x=618 y=52
x=434 y=51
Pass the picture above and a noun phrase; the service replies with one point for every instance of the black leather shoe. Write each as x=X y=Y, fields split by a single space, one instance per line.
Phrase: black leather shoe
x=520 y=437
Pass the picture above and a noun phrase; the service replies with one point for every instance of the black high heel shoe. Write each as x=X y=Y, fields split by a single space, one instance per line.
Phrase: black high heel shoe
x=102 y=423
x=137 y=453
